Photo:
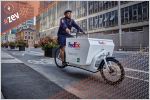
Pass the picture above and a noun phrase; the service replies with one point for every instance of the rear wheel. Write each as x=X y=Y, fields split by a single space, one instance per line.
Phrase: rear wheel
x=114 y=74
x=57 y=59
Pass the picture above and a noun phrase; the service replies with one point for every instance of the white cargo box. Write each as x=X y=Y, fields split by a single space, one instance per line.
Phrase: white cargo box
x=81 y=51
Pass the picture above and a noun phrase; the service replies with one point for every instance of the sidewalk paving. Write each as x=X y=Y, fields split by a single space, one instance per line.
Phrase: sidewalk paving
x=19 y=81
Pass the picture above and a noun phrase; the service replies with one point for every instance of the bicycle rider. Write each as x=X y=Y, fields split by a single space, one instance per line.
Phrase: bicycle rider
x=66 y=23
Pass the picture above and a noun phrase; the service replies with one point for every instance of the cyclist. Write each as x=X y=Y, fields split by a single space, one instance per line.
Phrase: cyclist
x=66 y=23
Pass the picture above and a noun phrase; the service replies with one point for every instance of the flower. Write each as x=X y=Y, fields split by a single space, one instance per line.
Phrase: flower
x=13 y=44
x=21 y=43
x=48 y=42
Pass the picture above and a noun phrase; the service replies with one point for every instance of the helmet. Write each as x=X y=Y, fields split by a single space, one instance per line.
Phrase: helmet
x=67 y=11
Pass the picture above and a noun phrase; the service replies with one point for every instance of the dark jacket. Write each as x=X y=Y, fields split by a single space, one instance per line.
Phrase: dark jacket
x=67 y=23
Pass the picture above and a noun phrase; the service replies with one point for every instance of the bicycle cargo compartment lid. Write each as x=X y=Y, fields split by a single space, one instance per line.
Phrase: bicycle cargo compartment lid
x=81 y=51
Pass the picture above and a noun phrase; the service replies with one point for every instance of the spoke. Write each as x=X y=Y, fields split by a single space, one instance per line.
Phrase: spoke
x=112 y=75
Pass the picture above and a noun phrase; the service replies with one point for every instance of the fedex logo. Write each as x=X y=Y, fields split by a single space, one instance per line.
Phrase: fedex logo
x=74 y=45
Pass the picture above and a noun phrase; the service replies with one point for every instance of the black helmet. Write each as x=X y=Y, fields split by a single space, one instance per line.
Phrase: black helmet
x=67 y=11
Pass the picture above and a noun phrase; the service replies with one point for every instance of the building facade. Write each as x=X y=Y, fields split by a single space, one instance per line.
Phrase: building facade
x=126 y=22
x=26 y=35
x=27 y=24
x=9 y=36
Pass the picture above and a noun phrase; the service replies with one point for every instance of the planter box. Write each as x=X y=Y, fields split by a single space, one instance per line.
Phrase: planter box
x=49 y=52
x=12 y=47
x=21 y=48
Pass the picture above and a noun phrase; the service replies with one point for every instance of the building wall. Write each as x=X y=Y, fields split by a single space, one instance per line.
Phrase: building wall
x=30 y=37
x=100 y=19
x=11 y=37
x=27 y=35
x=4 y=38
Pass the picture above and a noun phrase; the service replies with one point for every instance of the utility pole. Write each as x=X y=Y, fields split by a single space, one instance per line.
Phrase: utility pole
x=87 y=18
x=119 y=24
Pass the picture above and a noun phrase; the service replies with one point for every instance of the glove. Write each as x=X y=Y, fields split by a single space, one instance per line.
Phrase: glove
x=84 y=33
x=67 y=30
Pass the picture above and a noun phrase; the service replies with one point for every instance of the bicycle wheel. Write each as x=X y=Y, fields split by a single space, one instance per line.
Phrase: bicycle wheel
x=114 y=74
x=57 y=59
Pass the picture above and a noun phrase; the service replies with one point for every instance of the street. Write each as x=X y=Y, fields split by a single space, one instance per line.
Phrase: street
x=71 y=82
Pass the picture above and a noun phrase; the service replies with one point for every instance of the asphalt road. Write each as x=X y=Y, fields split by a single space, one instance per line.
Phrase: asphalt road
x=88 y=85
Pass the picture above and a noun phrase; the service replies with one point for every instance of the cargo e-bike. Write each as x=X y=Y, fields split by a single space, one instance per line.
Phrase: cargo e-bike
x=93 y=55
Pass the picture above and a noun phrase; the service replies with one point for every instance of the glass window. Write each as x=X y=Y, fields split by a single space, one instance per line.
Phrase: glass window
x=108 y=18
x=145 y=10
x=110 y=4
x=122 y=15
x=95 y=22
x=84 y=8
x=28 y=37
x=104 y=20
x=100 y=21
x=91 y=6
x=126 y=15
x=72 y=6
x=62 y=5
x=112 y=18
x=100 y=5
x=78 y=12
x=106 y=4
x=135 y=13
x=25 y=37
x=95 y=6
x=84 y=25
x=130 y=14
x=90 y=23
x=116 y=18
x=140 y=12
x=81 y=9
x=116 y=3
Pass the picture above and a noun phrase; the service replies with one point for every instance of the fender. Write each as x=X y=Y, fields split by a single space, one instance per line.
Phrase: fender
x=102 y=62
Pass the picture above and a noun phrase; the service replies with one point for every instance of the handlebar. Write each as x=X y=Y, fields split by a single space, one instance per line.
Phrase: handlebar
x=76 y=34
x=81 y=33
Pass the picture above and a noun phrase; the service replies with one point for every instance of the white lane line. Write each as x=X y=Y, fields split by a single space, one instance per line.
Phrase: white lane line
x=34 y=53
x=6 y=58
x=136 y=70
x=11 y=61
x=136 y=78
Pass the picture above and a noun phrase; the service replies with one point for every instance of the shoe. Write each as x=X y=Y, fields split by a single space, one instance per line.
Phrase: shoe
x=64 y=64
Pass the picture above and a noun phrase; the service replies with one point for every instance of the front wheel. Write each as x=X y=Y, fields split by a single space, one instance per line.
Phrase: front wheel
x=114 y=74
